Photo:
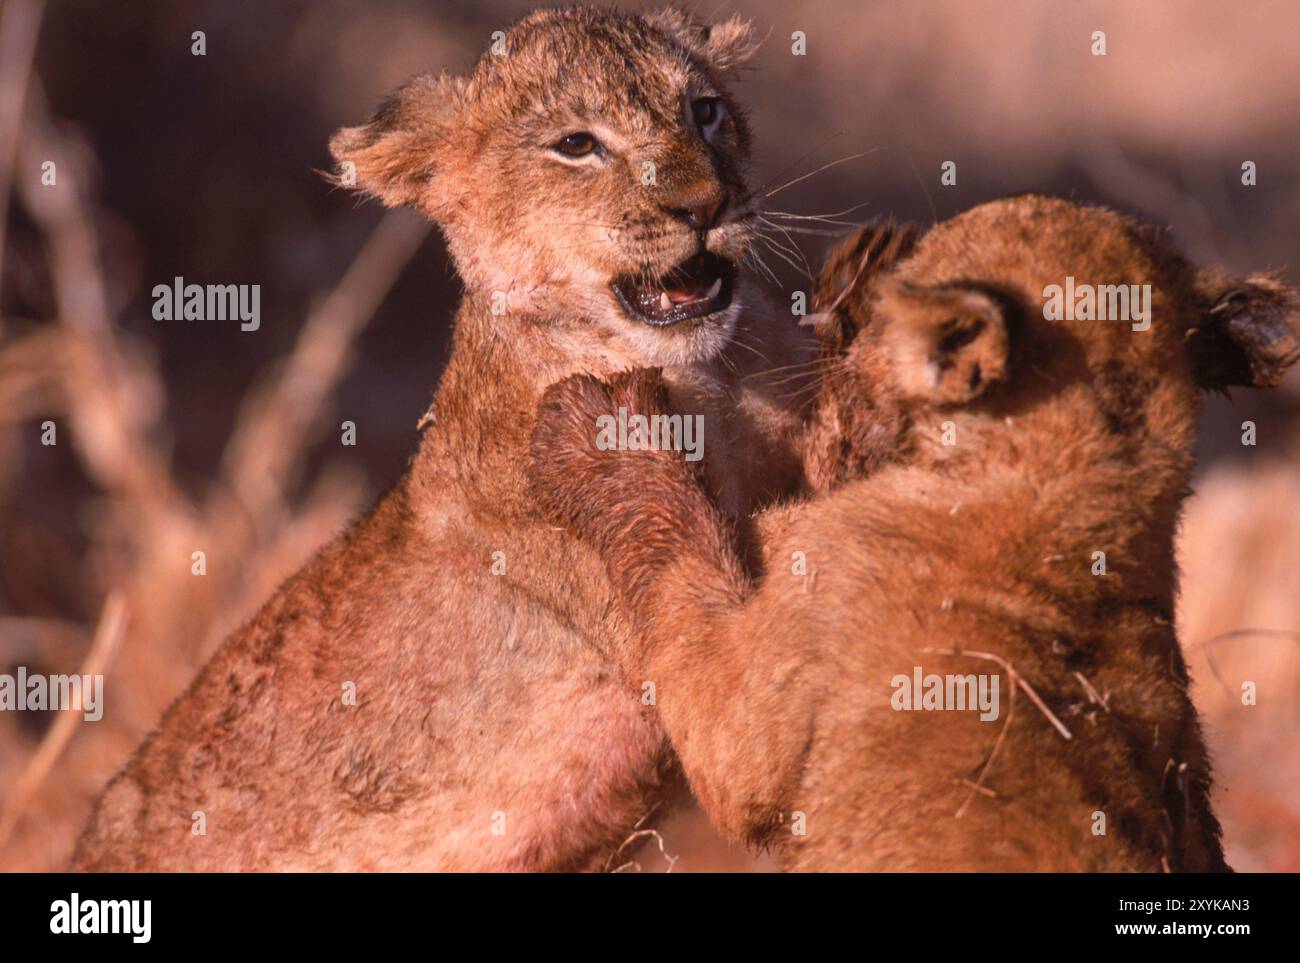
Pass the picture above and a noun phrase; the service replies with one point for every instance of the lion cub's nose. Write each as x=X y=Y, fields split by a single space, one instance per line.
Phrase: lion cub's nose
x=699 y=209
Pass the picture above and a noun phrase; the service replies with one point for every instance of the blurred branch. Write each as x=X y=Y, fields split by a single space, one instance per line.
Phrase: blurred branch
x=271 y=434
x=20 y=23
x=29 y=375
x=108 y=636
x=106 y=393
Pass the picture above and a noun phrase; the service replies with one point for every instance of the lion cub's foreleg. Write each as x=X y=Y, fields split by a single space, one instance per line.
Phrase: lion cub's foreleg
x=739 y=734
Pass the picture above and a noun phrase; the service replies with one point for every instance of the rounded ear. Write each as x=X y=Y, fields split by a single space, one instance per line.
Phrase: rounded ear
x=730 y=43
x=944 y=345
x=1249 y=332
x=395 y=157
x=723 y=46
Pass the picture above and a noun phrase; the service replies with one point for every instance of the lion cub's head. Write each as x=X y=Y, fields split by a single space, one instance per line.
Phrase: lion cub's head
x=1033 y=324
x=590 y=171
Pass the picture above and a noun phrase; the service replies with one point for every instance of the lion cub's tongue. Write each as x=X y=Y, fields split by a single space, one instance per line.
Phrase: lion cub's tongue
x=692 y=281
x=690 y=291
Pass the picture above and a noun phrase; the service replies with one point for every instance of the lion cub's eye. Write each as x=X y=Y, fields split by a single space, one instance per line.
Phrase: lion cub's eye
x=579 y=144
x=707 y=113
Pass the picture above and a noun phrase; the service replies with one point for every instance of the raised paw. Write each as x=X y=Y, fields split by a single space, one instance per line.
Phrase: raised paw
x=584 y=457
x=848 y=279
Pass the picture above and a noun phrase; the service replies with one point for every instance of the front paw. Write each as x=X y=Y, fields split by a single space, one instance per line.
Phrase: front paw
x=850 y=275
x=580 y=459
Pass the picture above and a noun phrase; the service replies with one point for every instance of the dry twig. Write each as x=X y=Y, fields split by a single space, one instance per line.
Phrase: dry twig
x=108 y=636
x=1016 y=680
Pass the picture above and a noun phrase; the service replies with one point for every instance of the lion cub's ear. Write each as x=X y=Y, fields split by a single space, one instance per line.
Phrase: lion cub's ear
x=397 y=155
x=721 y=45
x=945 y=345
x=1249 y=332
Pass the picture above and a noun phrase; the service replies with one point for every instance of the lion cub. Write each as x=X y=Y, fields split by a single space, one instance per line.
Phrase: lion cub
x=436 y=689
x=1013 y=539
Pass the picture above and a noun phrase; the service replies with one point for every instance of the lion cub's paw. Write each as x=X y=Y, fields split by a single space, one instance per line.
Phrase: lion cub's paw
x=849 y=278
x=573 y=469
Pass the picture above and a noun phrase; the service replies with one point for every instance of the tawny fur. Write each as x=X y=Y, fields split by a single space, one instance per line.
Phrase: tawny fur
x=491 y=730
x=1072 y=437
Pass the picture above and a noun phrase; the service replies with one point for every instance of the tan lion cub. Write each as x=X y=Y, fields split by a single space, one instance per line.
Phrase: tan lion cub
x=1016 y=532
x=590 y=178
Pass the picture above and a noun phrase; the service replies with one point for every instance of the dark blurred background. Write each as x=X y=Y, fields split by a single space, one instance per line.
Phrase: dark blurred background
x=207 y=167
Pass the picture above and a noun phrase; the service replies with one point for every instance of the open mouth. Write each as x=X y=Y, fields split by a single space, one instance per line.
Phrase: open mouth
x=697 y=287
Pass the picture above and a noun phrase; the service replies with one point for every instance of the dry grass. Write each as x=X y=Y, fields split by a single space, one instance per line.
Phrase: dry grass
x=106 y=399
x=1240 y=553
